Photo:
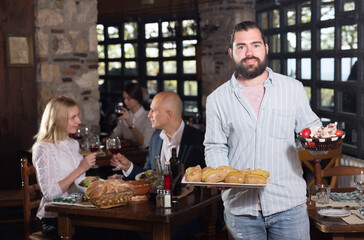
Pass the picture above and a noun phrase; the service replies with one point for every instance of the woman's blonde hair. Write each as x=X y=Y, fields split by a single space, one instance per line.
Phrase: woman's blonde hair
x=53 y=127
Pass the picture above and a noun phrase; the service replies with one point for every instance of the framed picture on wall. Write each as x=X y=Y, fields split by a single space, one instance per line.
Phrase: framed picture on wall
x=19 y=50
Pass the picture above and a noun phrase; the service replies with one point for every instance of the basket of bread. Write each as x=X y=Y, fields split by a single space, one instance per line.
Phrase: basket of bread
x=226 y=176
x=318 y=138
x=109 y=193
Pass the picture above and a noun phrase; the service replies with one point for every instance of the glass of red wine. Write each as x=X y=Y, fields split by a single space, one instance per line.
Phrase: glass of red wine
x=113 y=145
x=94 y=145
x=119 y=110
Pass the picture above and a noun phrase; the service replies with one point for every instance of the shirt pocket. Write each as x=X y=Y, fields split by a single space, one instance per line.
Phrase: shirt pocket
x=282 y=124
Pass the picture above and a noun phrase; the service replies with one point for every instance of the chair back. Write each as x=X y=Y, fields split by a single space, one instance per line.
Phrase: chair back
x=307 y=159
x=31 y=198
x=333 y=172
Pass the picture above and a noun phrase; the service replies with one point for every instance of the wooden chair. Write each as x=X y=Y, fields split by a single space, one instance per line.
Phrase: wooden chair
x=307 y=159
x=332 y=172
x=31 y=200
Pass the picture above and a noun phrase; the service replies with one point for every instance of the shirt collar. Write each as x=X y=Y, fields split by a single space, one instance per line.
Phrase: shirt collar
x=138 y=113
x=235 y=85
x=176 y=139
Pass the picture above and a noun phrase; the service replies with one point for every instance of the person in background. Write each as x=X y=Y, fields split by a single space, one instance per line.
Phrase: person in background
x=134 y=123
x=166 y=116
x=250 y=123
x=56 y=158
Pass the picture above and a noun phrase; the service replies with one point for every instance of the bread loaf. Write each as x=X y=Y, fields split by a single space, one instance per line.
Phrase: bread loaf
x=193 y=174
x=214 y=176
x=227 y=169
x=255 y=179
x=234 y=177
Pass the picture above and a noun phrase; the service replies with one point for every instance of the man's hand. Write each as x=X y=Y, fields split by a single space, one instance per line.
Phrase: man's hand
x=121 y=161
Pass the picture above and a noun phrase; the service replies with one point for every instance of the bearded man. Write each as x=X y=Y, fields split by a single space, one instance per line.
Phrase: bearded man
x=250 y=123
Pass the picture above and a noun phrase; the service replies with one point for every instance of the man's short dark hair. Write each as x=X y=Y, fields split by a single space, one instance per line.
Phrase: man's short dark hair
x=244 y=26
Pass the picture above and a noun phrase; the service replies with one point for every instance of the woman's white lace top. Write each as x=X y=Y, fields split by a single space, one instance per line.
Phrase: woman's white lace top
x=53 y=164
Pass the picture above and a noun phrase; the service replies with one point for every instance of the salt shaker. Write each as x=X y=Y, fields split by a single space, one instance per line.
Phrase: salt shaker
x=160 y=198
x=167 y=199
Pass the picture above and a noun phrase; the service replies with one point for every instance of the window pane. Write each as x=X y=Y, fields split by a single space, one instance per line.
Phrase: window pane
x=169 y=29
x=327 y=99
x=190 y=88
x=152 y=86
x=189 y=48
x=349 y=5
x=327 y=66
x=291 y=15
x=348 y=101
x=349 y=69
x=101 y=51
x=306 y=40
x=170 y=67
x=189 y=67
x=291 y=67
x=275 y=23
x=327 y=37
x=114 y=51
x=130 y=50
x=170 y=85
x=100 y=32
x=308 y=92
x=169 y=49
x=306 y=12
x=131 y=68
x=189 y=27
x=291 y=41
x=276 y=43
x=151 y=30
x=276 y=65
x=152 y=50
x=190 y=108
x=349 y=37
x=327 y=10
x=263 y=19
x=152 y=68
x=101 y=68
x=130 y=31
x=351 y=136
x=306 y=68
x=114 y=68
x=113 y=32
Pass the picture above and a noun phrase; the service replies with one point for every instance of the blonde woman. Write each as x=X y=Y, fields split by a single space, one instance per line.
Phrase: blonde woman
x=56 y=157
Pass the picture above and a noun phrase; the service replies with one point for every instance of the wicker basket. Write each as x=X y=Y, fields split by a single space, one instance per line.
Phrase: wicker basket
x=112 y=199
x=321 y=144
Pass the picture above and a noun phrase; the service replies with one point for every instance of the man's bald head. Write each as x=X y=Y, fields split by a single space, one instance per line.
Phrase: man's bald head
x=169 y=101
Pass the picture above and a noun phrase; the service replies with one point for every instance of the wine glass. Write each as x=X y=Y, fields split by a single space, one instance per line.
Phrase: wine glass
x=359 y=184
x=119 y=110
x=113 y=145
x=94 y=145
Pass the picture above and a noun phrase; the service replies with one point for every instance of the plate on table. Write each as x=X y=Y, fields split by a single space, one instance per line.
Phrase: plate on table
x=334 y=213
x=222 y=184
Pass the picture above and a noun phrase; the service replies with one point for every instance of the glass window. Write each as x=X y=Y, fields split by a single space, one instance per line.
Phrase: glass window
x=170 y=85
x=308 y=92
x=306 y=40
x=327 y=66
x=101 y=51
x=348 y=101
x=130 y=50
x=114 y=68
x=190 y=108
x=189 y=48
x=190 y=88
x=275 y=23
x=114 y=51
x=351 y=134
x=130 y=68
x=291 y=67
x=327 y=9
x=349 y=69
x=327 y=38
x=306 y=12
x=349 y=37
x=170 y=67
x=291 y=40
x=101 y=68
x=306 y=68
x=100 y=32
x=130 y=31
x=327 y=99
x=152 y=86
x=169 y=28
x=152 y=50
x=276 y=65
x=113 y=32
x=152 y=68
x=291 y=15
x=263 y=20
x=151 y=30
x=276 y=43
x=169 y=49
x=189 y=28
x=189 y=67
x=349 y=5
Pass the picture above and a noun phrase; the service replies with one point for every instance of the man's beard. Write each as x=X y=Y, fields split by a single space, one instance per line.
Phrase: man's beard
x=251 y=72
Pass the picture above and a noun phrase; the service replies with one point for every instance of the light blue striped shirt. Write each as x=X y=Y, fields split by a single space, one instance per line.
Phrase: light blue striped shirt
x=237 y=138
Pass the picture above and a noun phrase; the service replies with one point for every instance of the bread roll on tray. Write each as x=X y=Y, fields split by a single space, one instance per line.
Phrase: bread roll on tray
x=214 y=176
x=234 y=177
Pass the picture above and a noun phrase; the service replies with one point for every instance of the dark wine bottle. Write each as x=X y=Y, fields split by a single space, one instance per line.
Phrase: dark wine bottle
x=176 y=173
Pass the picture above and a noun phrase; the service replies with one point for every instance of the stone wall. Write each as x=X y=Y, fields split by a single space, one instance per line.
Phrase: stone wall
x=217 y=66
x=66 y=51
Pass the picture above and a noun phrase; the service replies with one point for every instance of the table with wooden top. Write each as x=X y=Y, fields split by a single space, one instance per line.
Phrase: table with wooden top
x=333 y=228
x=142 y=216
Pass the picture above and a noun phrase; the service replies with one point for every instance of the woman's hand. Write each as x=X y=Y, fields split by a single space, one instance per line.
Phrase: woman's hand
x=88 y=161
x=121 y=161
x=126 y=114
